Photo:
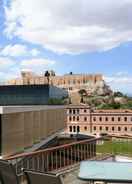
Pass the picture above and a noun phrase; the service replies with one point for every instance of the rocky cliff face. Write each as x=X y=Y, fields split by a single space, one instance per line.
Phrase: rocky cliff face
x=99 y=88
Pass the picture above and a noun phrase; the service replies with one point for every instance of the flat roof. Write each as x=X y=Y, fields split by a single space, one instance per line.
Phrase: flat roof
x=27 y=108
x=106 y=171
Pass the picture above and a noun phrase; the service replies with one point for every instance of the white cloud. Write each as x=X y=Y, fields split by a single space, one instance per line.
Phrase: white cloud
x=121 y=81
x=35 y=52
x=5 y=63
x=37 y=64
x=14 y=50
x=67 y=26
x=18 y=50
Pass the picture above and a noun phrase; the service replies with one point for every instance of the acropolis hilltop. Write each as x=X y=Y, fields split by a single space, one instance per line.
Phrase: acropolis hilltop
x=70 y=82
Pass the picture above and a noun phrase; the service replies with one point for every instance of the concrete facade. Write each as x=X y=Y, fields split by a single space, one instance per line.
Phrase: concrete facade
x=22 y=127
x=82 y=119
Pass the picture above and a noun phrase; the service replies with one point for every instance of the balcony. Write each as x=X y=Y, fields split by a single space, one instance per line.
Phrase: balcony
x=65 y=159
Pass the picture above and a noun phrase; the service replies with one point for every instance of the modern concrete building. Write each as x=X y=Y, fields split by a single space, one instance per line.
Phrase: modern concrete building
x=82 y=119
x=29 y=94
x=22 y=127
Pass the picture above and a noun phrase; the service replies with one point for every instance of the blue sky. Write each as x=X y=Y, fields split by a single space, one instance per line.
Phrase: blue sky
x=79 y=36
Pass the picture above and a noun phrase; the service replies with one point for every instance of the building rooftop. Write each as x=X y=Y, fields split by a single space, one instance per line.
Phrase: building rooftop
x=25 y=108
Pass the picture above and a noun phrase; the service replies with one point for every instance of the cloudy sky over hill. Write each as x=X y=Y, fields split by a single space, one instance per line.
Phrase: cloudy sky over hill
x=82 y=36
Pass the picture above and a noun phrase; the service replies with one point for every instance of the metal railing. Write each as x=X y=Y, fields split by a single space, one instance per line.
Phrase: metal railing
x=55 y=158
x=59 y=157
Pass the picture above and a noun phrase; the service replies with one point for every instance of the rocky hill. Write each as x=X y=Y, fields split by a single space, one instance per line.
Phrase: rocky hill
x=90 y=91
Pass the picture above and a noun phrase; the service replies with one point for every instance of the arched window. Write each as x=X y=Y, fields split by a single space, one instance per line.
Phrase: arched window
x=119 y=119
x=100 y=118
x=70 y=128
x=70 y=118
x=85 y=118
x=125 y=118
x=113 y=128
x=125 y=128
x=112 y=118
x=94 y=128
x=106 y=128
x=85 y=110
x=106 y=119
x=74 y=128
x=70 y=111
x=94 y=119
x=77 y=118
x=73 y=118
x=100 y=127
x=85 y=128
x=78 y=128
x=74 y=111
x=119 y=129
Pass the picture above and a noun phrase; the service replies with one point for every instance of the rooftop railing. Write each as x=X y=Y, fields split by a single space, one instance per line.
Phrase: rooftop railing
x=56 y=157
x=60 y=157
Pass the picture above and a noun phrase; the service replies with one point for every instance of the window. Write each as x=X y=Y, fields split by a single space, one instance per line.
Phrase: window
x=94 y=119
x=94 y=128
x=70 y=118
x=100 y=118
x=125 y=128
x=70 y=111
x=100 y=127
x=119 y=129
x=77 y=118
x=112 y=118
x=77 y=111
x=74 y=111
x=70 y=128
x=85 y=128
x=73 y=118
x=113 y=128
x=106 y=128
x=78 y=128
x=125 y=118
x=85 y=118
x=74 y=129
x=119 y=119
x=85 y=110
x=106 y=119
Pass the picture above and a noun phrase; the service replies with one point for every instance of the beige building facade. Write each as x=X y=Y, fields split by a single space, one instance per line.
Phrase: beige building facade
x=21 y=127
x=82 y=119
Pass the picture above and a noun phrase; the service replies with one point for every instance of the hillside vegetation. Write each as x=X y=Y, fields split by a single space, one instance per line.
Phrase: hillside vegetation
x=116 y=100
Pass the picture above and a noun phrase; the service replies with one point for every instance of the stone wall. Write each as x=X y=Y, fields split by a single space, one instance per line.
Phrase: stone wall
x=64 y=81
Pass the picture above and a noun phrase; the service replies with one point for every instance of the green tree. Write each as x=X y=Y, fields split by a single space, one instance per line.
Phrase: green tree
x=118 y=94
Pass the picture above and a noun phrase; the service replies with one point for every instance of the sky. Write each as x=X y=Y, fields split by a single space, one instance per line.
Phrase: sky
x=79 y=36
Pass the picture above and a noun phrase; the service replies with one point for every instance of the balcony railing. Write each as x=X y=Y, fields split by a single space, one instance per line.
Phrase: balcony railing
x=56 y=158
